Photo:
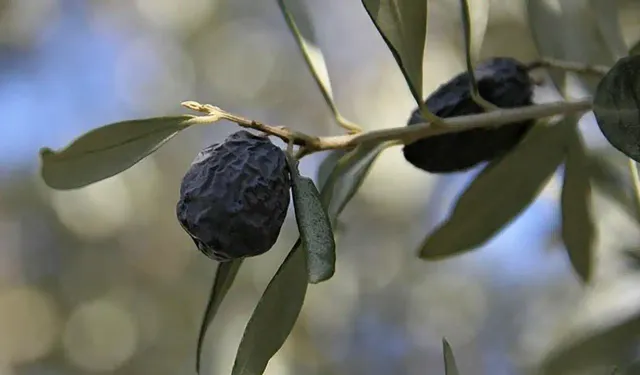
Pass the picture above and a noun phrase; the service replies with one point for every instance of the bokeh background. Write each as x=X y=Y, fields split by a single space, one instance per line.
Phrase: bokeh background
x=103 y=279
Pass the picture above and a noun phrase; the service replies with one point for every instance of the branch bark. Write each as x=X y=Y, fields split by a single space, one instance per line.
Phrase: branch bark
x=403 y=134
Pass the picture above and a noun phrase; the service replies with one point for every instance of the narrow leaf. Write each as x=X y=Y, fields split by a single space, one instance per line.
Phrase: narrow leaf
x=612 y=179
x=497 y=197
x=602 y=331
x=106 y=151
x=403 y=26
x=635 y=49
x=274 y=316
x=348 y=176
x=567 y=30
x=578 y=228
x=314 y=226
x=225 y=275
x=450 y=367
x=313 y=57
x=608 y=20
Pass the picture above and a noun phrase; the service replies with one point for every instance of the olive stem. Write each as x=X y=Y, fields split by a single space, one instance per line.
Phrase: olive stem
x=598 y=70
x=403 y=134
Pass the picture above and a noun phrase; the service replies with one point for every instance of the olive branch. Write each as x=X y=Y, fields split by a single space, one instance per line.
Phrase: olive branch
x=404 y=134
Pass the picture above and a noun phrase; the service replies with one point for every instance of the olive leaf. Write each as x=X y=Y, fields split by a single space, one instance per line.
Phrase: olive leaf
x=601 y=332
x=567 y=30
x=495 y=198
x=403 y=26
x=347 y=177
x=106 y=151
x=469 y=53
x=578 y=228
x=450 y=367
x=327 y=165
x=610 y=177
x=314 y=226
x=616 y=106
x=274 y=316
x=635 y=49
x=608 y=21
x=225 y=276
x=313 y=57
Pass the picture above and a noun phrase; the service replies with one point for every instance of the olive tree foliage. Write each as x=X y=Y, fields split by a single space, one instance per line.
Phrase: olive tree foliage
x=507 y=185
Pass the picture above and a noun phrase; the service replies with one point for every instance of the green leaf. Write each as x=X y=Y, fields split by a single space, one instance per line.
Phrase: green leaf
x=635 y=49
x=608 y=21
x=348 y=176
x=225 y=276
x=327 y=166
x=106 y=151
x=312 y=55
x=578 y=228
x=497 y=197
x=403 y=26
x=616 y=106
x=602 y=331
x=567 y=30
x=469 y=50
x=450 y=367
x=274 y=316
x=314 y=226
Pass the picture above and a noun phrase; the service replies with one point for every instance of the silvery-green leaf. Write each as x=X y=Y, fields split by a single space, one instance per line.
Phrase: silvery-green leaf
x=578 y=227
x=606 y=13
x=314 y=226
x=106 y=151
x=501 y=194
x=450 y=367
x=568 y=30
x=616 y=106
x=312 y=54
x=225 y=276
x=602 y=331
x=347 y=177
x=468 y=27
x=274 y=316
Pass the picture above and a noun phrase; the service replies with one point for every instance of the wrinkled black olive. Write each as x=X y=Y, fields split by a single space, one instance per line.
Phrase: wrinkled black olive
x=235 y=196
x=502 y=81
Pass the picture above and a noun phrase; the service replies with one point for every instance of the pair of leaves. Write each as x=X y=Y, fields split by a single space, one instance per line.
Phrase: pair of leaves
x=108 y=150
x=578 y=228
x=403 y=27
x=508 y=186
x=278 y=309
